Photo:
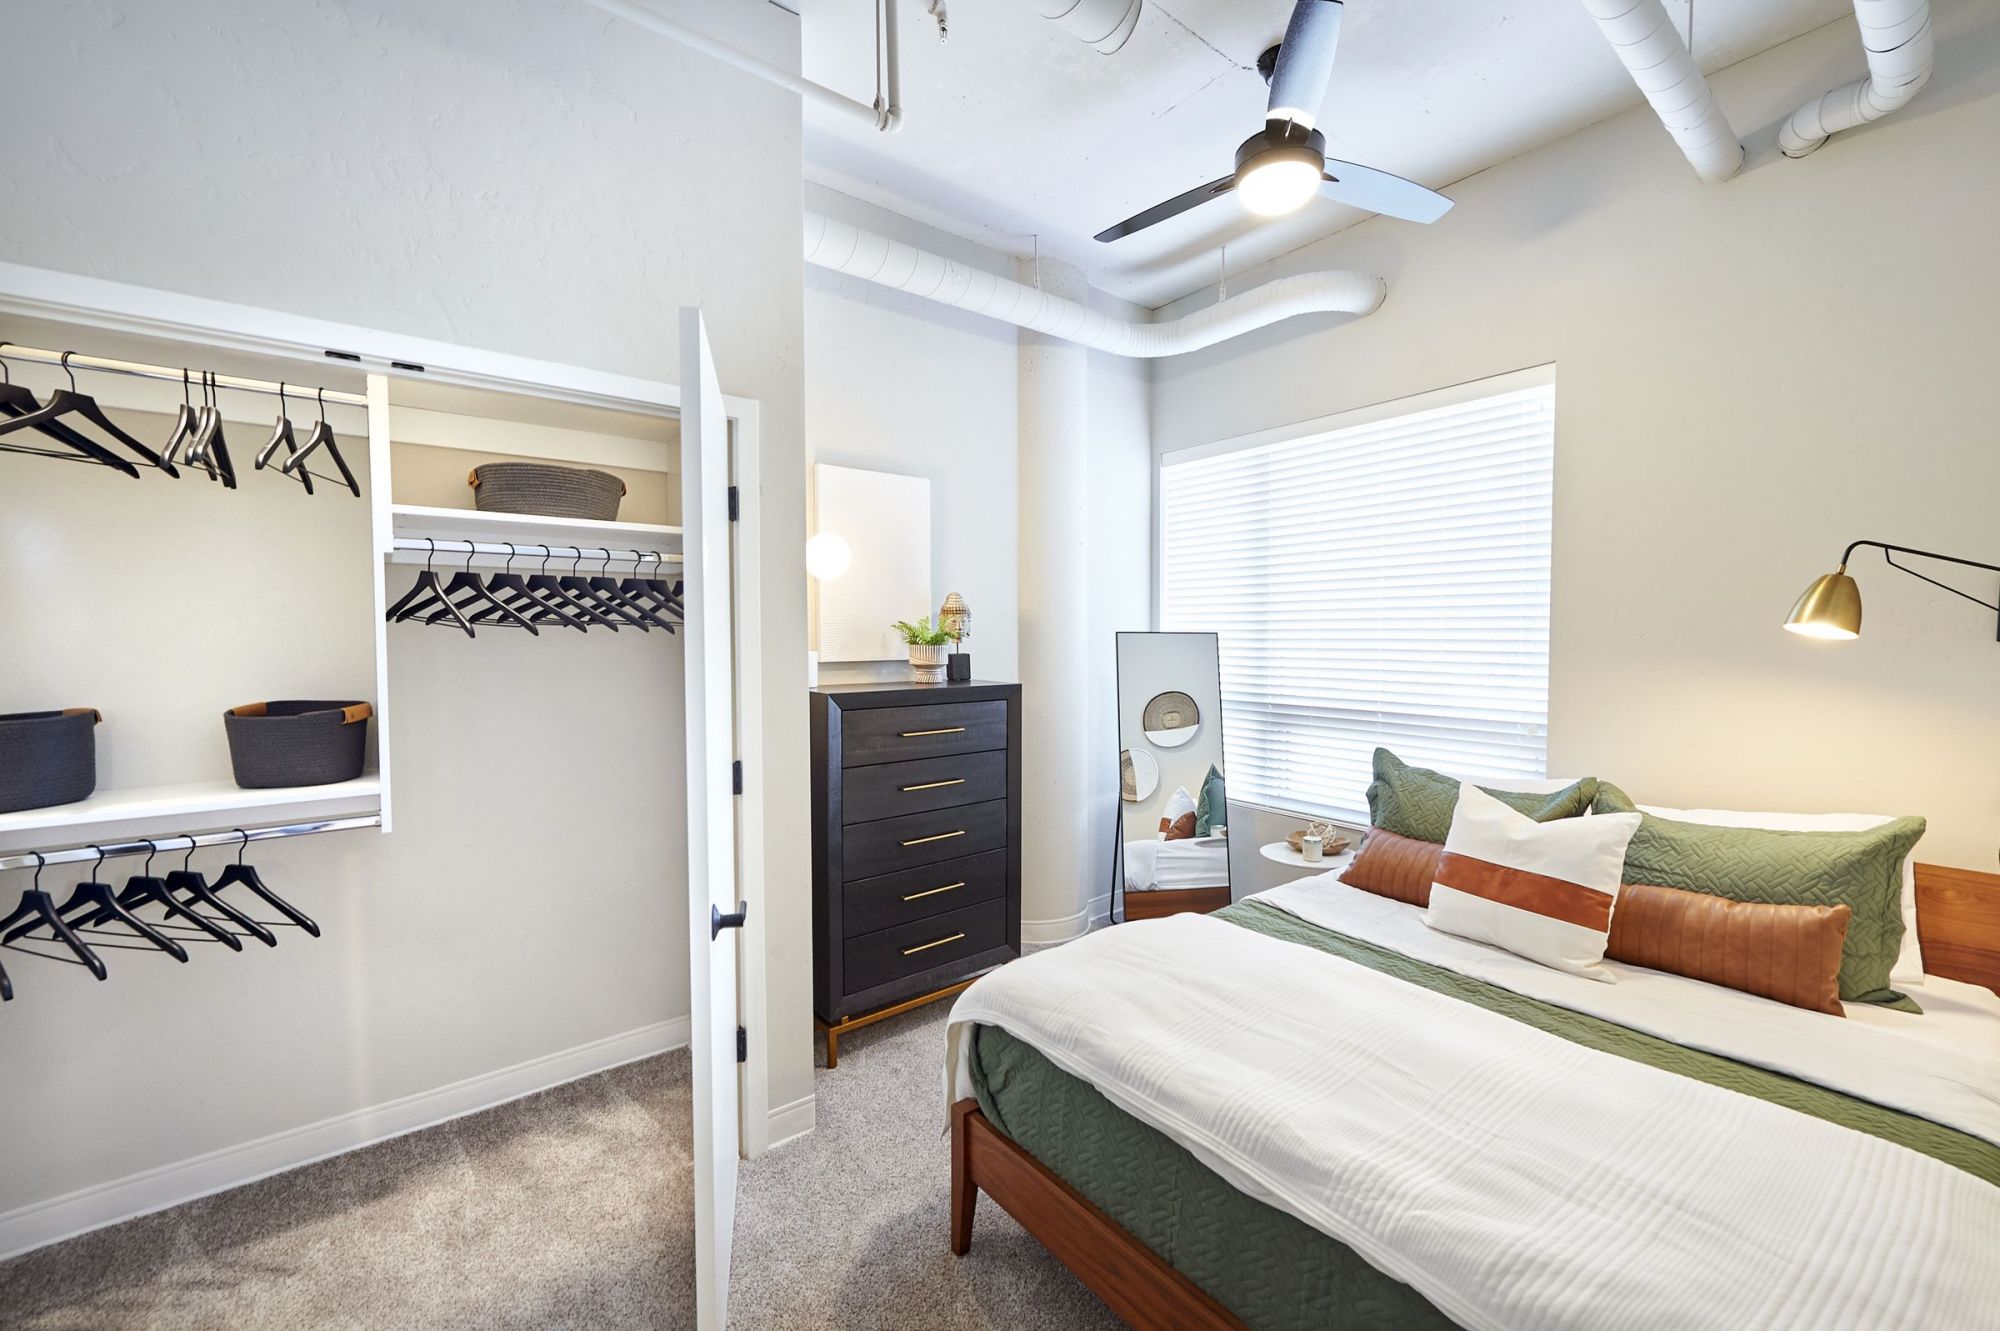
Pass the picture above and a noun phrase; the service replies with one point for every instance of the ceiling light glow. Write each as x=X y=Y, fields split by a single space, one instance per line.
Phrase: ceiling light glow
x=1274 y=186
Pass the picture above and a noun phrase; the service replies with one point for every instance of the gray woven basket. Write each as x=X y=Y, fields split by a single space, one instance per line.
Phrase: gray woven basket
x=552 y=491
x=47 y=758
x=296 y=742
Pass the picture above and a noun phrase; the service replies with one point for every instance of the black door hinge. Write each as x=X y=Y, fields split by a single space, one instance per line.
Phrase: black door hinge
x=735 y=504
x=742 y=1045
x=736 y=777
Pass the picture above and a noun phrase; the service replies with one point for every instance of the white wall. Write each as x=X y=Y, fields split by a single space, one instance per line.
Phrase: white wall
x=525 y=177
x=900 y=384
x=1749 y=376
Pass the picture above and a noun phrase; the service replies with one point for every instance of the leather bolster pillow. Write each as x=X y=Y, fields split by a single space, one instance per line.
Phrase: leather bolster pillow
x=1398 y=867
x=1787 y=953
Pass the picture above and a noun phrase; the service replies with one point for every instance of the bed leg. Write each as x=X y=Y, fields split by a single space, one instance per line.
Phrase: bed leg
x=964 y=1192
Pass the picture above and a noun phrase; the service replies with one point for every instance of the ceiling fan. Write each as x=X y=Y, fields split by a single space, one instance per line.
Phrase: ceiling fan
x=1284 y=164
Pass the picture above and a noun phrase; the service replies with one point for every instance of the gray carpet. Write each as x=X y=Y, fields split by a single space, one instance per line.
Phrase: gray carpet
x=572 y=1209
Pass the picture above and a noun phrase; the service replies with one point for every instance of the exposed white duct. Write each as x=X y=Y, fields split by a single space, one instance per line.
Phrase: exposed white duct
x=1104 y=24
x=890 y=263
x=1896 y=36
x=1652 y=50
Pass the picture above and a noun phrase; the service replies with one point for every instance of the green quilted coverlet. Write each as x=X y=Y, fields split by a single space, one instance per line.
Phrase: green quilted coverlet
x=1273 y=1270
x=1417 y=802
x=1863 y=870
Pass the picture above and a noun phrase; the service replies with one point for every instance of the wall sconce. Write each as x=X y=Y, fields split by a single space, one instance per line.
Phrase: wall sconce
x=1831 y=607
x=827 y=556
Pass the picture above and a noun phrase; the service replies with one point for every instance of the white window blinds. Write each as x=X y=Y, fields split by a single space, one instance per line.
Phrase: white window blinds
x=1383 y=582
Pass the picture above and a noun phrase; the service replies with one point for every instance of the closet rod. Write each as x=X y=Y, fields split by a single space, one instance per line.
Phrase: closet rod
x=529 y=550
x=187 y=841
x=173 y=374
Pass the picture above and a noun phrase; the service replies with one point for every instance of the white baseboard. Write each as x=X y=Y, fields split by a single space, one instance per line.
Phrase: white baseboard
x=41 y=1223
x=1038 y=934
x=792 y=1121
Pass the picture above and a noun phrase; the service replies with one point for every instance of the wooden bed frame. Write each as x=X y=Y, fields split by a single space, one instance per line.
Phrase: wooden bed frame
x=1958 y=922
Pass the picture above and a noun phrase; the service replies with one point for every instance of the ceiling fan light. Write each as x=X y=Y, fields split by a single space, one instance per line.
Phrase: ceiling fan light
x=1277 y=183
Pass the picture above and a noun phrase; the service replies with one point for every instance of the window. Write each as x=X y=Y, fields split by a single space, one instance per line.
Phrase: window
x=1380 y=577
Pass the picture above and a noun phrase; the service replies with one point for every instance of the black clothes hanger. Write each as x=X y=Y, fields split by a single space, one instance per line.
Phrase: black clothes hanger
x=21 y=410
x=142 y=888
x=97 y=896
x=475 y=594
x=518 y=597
x=322 y=437
x=246 y=875
x=209 y=448
x=192 y=881
x=426 y=593
x=552 y=590
x=185 y=422
x=585 y=590
x=633 y=593
x=281 y=434
x=663 y=596
x=70 y=401
x=37 y=906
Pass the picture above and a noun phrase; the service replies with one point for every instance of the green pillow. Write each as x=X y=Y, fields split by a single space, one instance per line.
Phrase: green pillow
x=1212 y=809
x=1416 y=802
x=1863 y=870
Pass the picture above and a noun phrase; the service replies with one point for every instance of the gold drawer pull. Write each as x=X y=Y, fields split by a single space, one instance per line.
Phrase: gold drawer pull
x=925 y=947
x=935 y=785
x=931 y=892
x=948 y=730
x=941 y=836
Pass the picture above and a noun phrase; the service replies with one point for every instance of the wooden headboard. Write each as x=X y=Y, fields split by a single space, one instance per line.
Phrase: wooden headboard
x=1958 y=923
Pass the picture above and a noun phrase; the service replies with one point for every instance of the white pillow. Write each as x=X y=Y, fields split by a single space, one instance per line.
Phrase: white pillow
x=1180 y=804
x=1541 y=890
x=1909 y=968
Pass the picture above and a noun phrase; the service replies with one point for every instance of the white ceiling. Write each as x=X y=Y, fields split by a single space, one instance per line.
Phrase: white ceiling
x=1014 y=129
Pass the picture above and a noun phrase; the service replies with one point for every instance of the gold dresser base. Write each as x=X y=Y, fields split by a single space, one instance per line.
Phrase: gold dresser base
x=834 y=1030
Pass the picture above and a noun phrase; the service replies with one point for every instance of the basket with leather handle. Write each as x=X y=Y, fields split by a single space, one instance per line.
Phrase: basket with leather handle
x=546 y=489
x=47 y=758
x=297 y=742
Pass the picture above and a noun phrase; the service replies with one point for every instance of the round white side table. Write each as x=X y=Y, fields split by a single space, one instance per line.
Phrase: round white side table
x=1280 y=852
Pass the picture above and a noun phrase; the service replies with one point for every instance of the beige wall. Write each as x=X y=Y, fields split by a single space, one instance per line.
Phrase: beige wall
x=523 y=177
x=1749 y=376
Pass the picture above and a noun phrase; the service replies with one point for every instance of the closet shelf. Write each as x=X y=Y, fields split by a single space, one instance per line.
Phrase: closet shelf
x=413 y=522
x=172 y=810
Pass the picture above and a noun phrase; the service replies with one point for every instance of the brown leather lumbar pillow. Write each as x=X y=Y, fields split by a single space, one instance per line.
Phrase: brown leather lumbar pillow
x=1398 y=867
x=1788 y=953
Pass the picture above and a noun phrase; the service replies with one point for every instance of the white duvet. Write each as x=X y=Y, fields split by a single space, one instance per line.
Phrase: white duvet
x=1514 y=1178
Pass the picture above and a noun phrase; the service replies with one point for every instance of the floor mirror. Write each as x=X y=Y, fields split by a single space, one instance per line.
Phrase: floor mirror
x=1173 y=840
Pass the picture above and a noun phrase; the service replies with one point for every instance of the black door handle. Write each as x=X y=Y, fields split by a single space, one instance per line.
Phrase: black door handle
x=717 y=921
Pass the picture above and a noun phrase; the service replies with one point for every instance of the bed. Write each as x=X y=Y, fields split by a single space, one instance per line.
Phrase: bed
x=1122 y=1113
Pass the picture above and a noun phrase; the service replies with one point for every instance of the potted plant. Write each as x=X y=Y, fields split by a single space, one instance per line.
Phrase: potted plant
x=927 y=641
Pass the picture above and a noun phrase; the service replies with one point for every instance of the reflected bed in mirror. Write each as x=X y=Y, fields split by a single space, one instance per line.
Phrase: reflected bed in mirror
x=1173 y=851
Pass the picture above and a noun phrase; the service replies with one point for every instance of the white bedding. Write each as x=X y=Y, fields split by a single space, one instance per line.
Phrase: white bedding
x=1514 y=1178
x=1165 y=866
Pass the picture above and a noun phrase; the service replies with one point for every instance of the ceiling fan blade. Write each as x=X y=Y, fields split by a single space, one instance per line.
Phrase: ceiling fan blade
x=1379 y=192
x=1305 y=62
x=1160 y=212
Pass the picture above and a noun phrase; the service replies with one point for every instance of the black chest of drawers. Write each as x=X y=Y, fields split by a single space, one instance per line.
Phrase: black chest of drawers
x=916 y=840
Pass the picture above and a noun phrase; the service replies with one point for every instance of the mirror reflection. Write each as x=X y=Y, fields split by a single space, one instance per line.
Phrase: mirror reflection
x=1174 y=845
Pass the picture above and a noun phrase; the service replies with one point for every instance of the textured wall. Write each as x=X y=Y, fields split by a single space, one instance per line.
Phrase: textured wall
x=1749 y=376
x=523 y=176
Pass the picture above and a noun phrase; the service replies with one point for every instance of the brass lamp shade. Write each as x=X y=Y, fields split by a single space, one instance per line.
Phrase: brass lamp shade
x=1830 y=608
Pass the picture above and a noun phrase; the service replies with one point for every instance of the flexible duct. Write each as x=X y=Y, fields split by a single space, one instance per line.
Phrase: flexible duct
x=1896 y=37
x=891 y=263
x=1659 y=62
x=1104 y=24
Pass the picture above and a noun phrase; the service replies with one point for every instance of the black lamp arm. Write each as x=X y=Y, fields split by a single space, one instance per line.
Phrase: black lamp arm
x=1889 y=553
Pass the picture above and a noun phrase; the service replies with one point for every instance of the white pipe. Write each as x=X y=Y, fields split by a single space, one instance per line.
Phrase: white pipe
x=1659 y=62
x=1104 y=24
x=885 y=114
x=1896 y=37
x=890 y=263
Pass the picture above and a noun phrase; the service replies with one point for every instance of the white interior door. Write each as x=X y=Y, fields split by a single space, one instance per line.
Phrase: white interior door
x=711 y=817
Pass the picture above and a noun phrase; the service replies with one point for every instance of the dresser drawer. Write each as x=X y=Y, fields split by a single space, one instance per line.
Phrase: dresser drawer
x=893 y=734
x=868 y=849
x=889 y=790
x=890 y=899
x=891 y=954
